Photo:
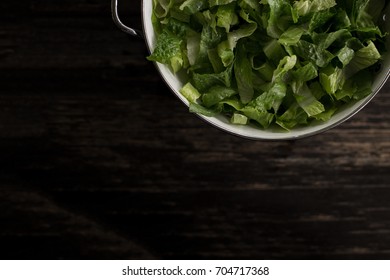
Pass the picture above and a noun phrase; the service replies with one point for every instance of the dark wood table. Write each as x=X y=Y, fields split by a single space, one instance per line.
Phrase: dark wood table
x=99 y=160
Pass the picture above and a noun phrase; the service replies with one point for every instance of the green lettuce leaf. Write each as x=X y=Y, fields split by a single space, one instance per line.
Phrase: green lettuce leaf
x=320 y=19
x=243 y=75
x=216 y=94
x=162 y=7
x=205 y=81
x=265 y=62
x=291 y=36
x=271 y=100
x=220 y=2
x=190 y=93
x=365 y=13
x=168 y=50
x=314 y=53
x=238 y=118
x=293 y=116
x=345 y=55
x=227 y=16
x=305 y=7
x=261 y=117
x=307 y=101
x=363 y=58
x=208 y=112
x=306 y=73
x=193 y=6
x=276 y=21
x=332 y=79
x=285 y=65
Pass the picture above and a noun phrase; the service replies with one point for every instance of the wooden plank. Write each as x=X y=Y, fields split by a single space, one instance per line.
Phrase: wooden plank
x=100 y=160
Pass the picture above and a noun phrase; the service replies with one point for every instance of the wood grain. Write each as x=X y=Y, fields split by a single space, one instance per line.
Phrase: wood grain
x=99 y=160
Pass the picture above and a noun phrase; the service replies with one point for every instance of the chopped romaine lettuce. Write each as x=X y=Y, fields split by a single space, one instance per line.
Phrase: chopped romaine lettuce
x=238 y=118
x=305 y=7
x=283 y=62
x=191 y=93
x=216 y=94
x=169 y=50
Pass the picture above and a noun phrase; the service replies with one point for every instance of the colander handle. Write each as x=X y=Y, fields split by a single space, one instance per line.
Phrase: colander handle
x=118 y=22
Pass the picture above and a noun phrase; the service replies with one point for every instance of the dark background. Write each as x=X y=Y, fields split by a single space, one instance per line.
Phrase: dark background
x=99 y=160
